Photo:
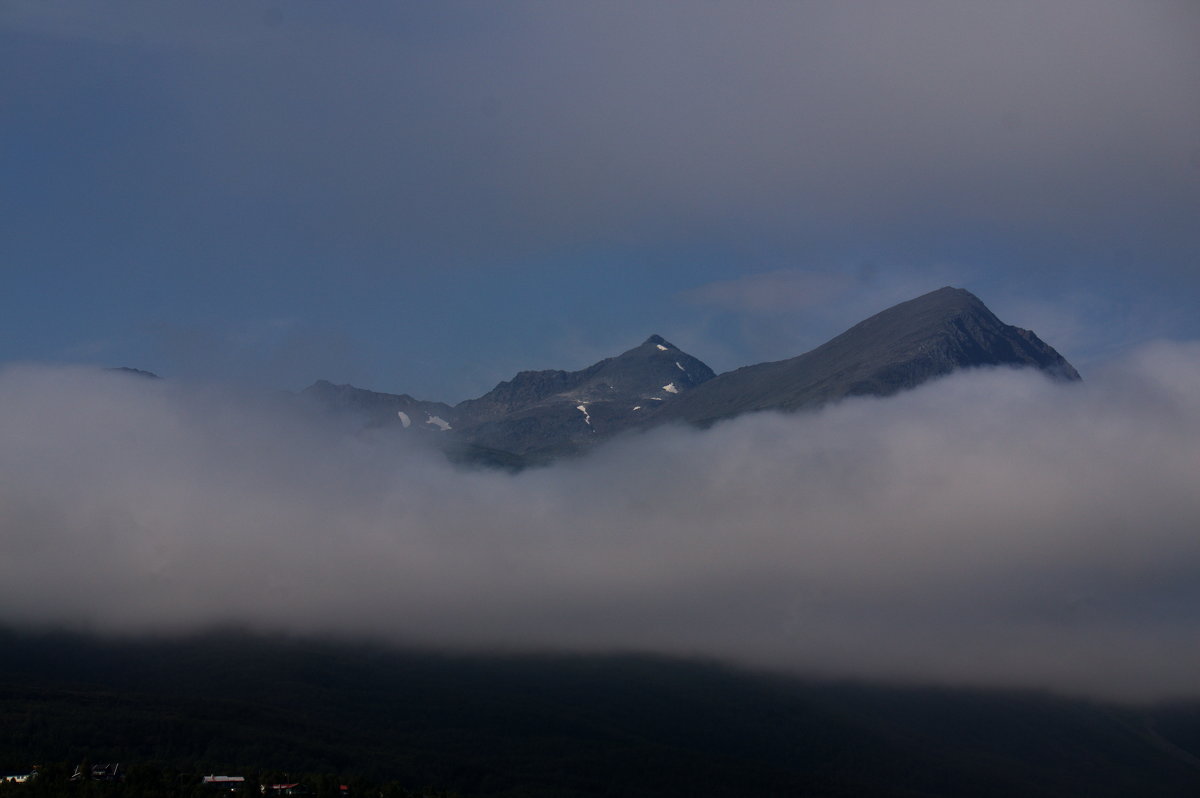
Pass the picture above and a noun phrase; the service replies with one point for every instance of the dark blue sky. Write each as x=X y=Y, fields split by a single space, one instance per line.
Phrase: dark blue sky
x=428 y=197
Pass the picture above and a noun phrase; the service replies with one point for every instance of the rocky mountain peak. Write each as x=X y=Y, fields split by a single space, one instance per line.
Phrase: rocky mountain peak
x=898 y=348
x=542 y=414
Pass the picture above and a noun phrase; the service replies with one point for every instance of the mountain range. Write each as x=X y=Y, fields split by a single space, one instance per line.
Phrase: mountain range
x=539 y=415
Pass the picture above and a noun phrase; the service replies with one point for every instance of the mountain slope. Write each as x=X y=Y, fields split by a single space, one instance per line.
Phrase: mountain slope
x=376 y=409
x=899 y=348
x=539 y=415
x=551 y=412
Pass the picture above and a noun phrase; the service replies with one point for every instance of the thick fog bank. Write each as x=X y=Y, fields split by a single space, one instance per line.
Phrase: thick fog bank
x=993 y=528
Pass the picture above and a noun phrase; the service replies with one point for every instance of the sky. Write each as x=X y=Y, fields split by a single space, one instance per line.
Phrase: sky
x=427 y=198
x=245 y=197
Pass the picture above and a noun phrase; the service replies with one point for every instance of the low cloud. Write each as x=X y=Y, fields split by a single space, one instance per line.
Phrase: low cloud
x=993 y=528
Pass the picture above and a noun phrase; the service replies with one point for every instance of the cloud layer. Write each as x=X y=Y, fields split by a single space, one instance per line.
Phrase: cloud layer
x=992 y=528
x=516 y=128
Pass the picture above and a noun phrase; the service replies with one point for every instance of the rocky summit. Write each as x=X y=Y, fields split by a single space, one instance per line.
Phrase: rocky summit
x=899 y=348
x=539 y=415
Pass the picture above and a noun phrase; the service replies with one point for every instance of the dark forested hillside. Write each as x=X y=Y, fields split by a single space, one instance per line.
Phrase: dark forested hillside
x=562 y=725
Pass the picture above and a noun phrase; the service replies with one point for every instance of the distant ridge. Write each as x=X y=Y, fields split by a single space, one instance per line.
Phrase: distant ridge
x=539 y=415
x=132 y=372
x=900 y=348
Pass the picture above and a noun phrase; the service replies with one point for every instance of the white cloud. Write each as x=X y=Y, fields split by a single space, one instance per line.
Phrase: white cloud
x=992 y=528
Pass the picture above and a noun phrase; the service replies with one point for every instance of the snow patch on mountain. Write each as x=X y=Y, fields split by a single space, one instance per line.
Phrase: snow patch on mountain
x=438 y=422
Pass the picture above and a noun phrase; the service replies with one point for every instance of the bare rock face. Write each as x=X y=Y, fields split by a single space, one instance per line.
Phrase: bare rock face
x=539 y=415
x=900 y=348
x=551 y=412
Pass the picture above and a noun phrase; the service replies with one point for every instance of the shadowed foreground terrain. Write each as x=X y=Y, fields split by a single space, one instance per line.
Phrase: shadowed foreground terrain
x=562 y=725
